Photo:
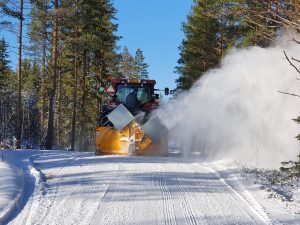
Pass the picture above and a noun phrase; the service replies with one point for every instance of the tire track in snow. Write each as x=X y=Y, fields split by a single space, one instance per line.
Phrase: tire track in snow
x=103 y=205
x=121 y=191
x=42 y=207
x=189 y=214
x=27 y=214
x=169 y=215
x=89 y=207
x=86 y=205
x=46 y=201
x=111 y=210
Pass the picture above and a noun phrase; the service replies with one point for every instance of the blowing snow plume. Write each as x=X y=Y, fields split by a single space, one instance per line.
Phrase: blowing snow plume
x=237 y=112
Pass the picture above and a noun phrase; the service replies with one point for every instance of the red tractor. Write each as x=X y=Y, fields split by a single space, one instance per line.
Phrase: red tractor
x=126 y=126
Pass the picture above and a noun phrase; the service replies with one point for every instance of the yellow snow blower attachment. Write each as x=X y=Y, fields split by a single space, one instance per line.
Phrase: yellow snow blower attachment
x=125 y=126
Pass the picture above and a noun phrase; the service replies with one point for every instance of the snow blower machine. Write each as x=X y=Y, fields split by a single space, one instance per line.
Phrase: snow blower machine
x=126 y=125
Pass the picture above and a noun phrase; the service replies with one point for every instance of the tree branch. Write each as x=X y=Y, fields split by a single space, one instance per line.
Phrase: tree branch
x=287 y=93
x=297 y=60
x=288 y=59
x=298 y=42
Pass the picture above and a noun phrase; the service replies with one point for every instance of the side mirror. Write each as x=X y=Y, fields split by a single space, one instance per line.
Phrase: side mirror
x=167 y=91
x=154 y=97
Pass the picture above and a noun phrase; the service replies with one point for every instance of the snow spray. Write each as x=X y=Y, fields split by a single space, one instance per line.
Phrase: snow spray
x=236 y=110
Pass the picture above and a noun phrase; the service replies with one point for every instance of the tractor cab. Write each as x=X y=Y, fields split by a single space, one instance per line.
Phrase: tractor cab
x=136 y=95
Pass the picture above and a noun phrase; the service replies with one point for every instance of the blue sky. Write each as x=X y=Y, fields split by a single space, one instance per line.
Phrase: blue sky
x=155 y=27
x=152 y=25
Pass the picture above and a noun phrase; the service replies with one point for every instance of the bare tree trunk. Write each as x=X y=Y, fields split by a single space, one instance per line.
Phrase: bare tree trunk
x=59 y=111
x=42 y=113
x=74 y=114
x=50 y=131
x=20 y=112
x=82 y=132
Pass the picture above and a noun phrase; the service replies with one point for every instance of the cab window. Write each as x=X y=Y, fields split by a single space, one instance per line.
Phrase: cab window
x=143 y=92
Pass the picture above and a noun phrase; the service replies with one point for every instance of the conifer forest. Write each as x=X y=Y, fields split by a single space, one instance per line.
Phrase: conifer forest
x=51 y=98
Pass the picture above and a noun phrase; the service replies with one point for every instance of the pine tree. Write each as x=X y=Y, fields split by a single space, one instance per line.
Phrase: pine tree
x=140 y=66
x=87 y=56
x=102 y=51
x=39 y=39
x=98 y=60
x=197 y=51
x=258 y=21
x=19 y=108
x=7 y=10
x=7 y=96
x=72 y=36
x=127 y=65
x=133 y=67
x=4 y=69
x=50 y=130
x=30 y=94
x=212 y=28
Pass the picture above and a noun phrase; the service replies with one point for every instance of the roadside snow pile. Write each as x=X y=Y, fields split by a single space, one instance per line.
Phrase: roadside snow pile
x=11 y=186
x=276 y=192
x=277 y=185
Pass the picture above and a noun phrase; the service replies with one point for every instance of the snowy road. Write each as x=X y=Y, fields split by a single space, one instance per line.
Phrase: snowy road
x=84 y=189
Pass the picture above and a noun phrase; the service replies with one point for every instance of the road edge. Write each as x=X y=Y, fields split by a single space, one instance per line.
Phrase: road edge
x=11 y=207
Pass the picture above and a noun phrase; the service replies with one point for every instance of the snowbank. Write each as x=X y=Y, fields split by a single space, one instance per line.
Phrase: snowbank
x=11 y=190
x=277 y=193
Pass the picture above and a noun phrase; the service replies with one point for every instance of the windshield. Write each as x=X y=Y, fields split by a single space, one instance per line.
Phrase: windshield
x=133 y=95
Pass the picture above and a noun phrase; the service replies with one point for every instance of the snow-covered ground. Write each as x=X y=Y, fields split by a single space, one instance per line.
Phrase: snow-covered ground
x=11 y=190
x=80 y=188
x=281 y=189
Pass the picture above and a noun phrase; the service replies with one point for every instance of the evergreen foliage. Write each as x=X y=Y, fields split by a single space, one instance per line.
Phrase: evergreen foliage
x=39 y=33
x=215 y=26
x=87 y=58
x=88 y=45
x=133 y=67
x=292 y=167
x=8 y=11
x=140 y=66
x=298 y=121
x=126 y=66
x=30 y=95
x=7 y=98
x=209 y=31
x=4 y=68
